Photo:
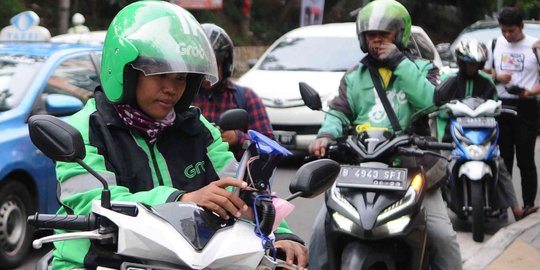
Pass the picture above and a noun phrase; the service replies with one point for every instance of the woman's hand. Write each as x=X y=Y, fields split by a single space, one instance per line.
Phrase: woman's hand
x=294 y=251
x=216 y=198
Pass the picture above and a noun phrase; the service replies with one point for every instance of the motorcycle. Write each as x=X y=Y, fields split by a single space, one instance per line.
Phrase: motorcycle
x=471 y=190
x=178 y=235
x=375 y=217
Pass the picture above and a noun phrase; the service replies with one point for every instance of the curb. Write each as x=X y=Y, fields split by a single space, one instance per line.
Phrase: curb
x=498 y=243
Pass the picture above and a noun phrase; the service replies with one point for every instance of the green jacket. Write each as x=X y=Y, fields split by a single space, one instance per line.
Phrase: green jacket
x=410 y=89
x=186 y=156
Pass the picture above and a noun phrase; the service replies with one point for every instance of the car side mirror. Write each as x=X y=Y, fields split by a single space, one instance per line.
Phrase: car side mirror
x=234 y=119
x=310 y=97
x=62 y=105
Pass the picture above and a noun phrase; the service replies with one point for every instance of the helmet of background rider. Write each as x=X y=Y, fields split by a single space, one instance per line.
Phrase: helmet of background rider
x=223 y=48
x=155 y=37
x=384 y=15
x=470 y=51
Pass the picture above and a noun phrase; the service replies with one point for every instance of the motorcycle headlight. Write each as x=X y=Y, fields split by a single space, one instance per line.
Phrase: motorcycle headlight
x=393 y=226
x=343 y=222
x=477 y=152
x=339 y=199
x=396 y=210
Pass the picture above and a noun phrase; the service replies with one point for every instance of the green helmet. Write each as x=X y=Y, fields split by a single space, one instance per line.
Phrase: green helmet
x=384 y=15
x=155 y=37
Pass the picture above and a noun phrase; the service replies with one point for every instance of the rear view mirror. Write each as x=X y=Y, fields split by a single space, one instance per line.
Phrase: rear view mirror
x=234 y=119
x=314 y=178
x=56 y=139
x=310 y=97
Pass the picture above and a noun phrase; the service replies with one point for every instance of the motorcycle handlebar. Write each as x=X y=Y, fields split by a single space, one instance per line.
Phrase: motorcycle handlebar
x=66 y=222
x=425 y=144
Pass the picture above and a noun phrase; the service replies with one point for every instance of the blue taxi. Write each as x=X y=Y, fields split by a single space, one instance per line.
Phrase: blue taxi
x=36 y=77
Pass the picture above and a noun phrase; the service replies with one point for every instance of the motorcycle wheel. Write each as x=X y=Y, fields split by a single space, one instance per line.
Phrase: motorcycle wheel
x=357 y=256
x=477 y=201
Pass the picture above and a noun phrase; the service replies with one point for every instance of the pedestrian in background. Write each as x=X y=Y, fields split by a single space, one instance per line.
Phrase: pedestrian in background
x=225 y=94
x=514 y=67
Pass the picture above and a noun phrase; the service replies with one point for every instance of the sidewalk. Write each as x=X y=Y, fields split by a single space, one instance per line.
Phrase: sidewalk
x=515 y=247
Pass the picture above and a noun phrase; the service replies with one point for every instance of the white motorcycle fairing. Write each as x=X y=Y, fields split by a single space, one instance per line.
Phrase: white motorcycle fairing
x=488 y=107
x=148 y=236
x=475 y=170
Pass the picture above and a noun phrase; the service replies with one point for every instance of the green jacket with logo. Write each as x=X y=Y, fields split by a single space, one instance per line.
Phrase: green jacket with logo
x=410 y=89
x=187 y=156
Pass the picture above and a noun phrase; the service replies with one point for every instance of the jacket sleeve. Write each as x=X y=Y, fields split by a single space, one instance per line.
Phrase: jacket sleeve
x=418 y=80
x=339 y=114
x=444 y=92
x=221 y=158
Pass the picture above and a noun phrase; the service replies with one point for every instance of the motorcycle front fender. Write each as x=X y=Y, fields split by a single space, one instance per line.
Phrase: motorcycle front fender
x=475 y=170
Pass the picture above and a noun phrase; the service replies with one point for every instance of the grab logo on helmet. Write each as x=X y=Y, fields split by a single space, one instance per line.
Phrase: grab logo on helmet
x=192 y=50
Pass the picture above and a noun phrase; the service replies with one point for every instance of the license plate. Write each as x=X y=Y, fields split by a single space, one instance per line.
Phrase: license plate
x=477 y=122
x=373 y=178
x=285 y=138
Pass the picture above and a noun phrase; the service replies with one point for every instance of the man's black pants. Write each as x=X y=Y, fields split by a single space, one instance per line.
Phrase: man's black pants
x=518 y=135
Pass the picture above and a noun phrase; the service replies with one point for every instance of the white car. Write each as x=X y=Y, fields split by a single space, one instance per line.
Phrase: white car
x=318 y=55
x=93 y=37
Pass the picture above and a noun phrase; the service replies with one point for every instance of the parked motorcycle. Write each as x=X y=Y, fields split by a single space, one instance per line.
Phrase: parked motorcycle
x=375 y=217
x=178 y=235
x=471 y=190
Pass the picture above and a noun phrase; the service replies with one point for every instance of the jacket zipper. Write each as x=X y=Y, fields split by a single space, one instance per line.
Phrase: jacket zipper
x=154 y=162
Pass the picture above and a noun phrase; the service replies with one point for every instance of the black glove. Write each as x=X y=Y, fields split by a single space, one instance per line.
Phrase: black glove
x=514 y=89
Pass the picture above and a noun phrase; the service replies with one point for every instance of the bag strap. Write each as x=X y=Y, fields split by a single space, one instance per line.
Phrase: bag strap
x=384 y=99
x=240 y=97
x=493 y=44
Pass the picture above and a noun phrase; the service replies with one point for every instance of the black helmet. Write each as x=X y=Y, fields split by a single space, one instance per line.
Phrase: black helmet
x=223 y=47
x=471 y=51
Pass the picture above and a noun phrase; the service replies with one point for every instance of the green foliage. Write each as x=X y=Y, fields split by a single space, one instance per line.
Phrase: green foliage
x=530 y=8
x=9 y=9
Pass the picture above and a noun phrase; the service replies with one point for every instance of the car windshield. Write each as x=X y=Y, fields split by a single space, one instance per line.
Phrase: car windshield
x=485 y=35
x=313 y=54
x=16 y=73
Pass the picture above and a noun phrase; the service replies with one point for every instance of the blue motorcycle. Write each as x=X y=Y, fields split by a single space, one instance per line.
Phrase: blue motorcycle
x=471 y=189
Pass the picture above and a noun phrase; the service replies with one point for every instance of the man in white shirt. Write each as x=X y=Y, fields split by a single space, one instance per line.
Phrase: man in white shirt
x=516 y=70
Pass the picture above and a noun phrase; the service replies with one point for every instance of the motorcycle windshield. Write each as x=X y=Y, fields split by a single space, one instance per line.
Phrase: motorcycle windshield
x=266 y=145
x=194 y=223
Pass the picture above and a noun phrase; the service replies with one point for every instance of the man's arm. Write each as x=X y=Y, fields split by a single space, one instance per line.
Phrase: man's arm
x=418 y=80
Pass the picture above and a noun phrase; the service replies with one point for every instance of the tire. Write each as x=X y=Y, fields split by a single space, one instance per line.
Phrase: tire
x=358 y=256
x=477 y=201
x=15 y=236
